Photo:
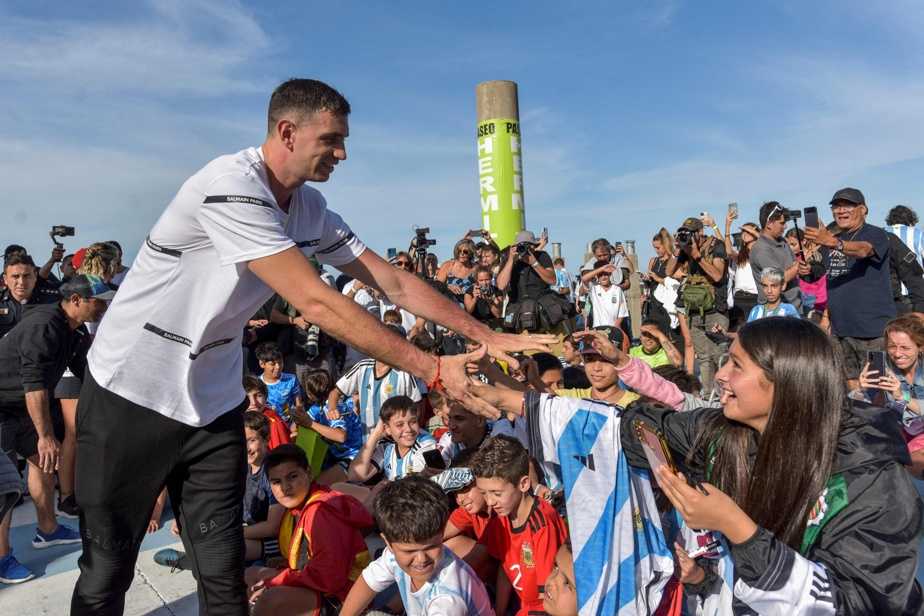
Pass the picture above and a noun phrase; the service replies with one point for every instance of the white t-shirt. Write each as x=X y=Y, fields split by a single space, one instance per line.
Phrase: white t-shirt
x=453 y=590
x=373 y=392
x=608 y=305
x=171 y=340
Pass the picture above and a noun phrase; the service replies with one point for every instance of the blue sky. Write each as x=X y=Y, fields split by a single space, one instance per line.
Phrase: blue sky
x=634 y=115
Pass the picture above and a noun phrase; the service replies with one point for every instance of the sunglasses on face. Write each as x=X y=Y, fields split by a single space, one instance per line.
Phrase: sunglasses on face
x=465 y=251
x=402 y=263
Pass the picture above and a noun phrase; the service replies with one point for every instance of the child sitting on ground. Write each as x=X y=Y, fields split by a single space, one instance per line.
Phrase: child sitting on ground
x=256 y=396
x=342 y=430
x=404 y=454
x=321 y=539
x=411 y=514
x=262 y=514
x=525 y=533
x=283 y=390
x=469 y=519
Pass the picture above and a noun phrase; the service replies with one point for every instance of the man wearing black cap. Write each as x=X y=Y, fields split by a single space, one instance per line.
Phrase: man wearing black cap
x=33 y=356
x=703 y=294
x=527 y=273
x=856 y=256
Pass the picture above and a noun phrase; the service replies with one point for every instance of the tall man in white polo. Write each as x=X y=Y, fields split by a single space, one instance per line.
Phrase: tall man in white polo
x=162 y=400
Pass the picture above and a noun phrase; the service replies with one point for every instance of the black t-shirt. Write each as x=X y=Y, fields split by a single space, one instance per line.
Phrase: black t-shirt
x=525 y=283
x=859 y=290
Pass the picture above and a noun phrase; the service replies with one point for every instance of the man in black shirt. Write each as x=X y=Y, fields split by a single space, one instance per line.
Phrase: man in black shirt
x=21 y=278
x=33 y=356
x=526 y=274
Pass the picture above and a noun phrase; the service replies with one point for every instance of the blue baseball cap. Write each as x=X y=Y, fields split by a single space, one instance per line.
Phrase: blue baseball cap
x=88 y=287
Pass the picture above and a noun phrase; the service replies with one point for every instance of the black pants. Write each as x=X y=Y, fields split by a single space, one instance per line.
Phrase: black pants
x=125 y=455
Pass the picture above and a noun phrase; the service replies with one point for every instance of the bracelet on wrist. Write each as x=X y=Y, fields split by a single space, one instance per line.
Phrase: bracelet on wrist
x=436 y=384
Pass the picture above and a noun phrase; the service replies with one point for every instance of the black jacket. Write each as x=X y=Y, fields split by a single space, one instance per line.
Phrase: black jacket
x=11 y=311
x=869 y=549
x=905 y=269
x=35 y=353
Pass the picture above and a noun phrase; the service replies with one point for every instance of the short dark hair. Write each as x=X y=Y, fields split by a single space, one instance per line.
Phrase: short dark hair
x=463 y=459
x=252 y=383
x=502 y=457
x=285 y=453
x=481 y=269
x=305 y=97
x=268 y=351
x=765 y=210
x=411 y=510
x=901 y=215
x=391 y=313
x=558 y=261
x=257 y=421
x=601 y=263
x=117 y=245
x=17 y=258
x=546 y=362
x=437 y=398
x=316 y=385
x=685 y=382
x=598 y=243
x=395 y=405
x=13 y=249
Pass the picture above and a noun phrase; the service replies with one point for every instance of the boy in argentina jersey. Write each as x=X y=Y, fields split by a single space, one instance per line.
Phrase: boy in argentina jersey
x=526 y=532
x=411 y=514
x=405 y=453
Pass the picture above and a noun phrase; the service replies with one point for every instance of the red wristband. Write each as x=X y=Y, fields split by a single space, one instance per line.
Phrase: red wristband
x=437 y=383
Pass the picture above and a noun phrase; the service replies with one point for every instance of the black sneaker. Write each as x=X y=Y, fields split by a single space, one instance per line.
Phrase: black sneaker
x=68 y=508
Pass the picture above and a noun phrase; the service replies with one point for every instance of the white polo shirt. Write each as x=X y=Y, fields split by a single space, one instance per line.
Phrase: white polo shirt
x=171 y=340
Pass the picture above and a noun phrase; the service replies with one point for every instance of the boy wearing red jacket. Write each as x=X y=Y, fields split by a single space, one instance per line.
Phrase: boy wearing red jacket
x=321 y=538
x=256 y=395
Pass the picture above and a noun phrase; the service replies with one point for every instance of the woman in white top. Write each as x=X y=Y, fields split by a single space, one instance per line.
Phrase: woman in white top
x=742 y=289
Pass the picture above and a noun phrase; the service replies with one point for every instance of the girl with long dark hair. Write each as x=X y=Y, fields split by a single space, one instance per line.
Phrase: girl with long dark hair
x=807 y=488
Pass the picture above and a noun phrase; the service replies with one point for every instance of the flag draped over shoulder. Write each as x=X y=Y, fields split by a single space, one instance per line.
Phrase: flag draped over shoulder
x=621 y=560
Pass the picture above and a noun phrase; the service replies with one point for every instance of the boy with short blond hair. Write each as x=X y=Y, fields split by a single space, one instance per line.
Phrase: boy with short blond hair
x=527 y=531
x=412 y=513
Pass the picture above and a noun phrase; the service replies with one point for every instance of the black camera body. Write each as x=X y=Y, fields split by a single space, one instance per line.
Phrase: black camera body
x=421 y=240
x=684 y=238
x=61 y=231
x=487 y=290
x=523 y=248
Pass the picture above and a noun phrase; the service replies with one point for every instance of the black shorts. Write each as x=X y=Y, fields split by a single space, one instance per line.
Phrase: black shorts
x=68 y=388
x=17 y=434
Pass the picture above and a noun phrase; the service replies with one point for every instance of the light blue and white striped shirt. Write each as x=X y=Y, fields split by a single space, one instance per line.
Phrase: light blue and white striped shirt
x=621 y=560
x=374 y=392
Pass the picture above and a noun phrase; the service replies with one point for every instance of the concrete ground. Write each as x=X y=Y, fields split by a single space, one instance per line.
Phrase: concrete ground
x=155 y=590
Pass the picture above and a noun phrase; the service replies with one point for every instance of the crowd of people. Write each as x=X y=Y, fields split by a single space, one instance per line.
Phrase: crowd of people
x=469 y=437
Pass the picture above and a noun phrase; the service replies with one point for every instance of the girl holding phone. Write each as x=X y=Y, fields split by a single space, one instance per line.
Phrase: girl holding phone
x=903 y=382
x=807 y=487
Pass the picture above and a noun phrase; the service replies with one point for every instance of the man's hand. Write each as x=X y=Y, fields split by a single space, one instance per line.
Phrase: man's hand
x=455 y=379
x=821 y=236
x=257 y=323
x=653 y=331
x=48 y=451
x=604 y=346
x=499 y=345
x=57 y=254
x=300 y=322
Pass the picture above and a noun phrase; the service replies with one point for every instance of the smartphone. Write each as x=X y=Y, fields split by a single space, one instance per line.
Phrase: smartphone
x=392 y=253
x=474 y=233
x=736 y=238
x=434 y=459
x=654 y=447
x=811 y=217
x=877 y=362
x=545 y=233
x=733 y=209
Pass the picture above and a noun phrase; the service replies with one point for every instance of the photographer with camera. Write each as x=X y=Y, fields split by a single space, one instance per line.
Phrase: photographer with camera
x=422 y=261
x=527 y=275
x=703 y=293
x=484 y=301
x=772 y=250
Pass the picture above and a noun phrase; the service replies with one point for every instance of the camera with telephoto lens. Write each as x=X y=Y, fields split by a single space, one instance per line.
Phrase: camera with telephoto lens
x=421 y=241
x=684 y=238
x=487 y=291
x=791 y=215
x=61 y=231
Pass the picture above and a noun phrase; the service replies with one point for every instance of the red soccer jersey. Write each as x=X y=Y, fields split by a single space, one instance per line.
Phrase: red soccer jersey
x=527 y=553
x=471 y=525
x=279 y=432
